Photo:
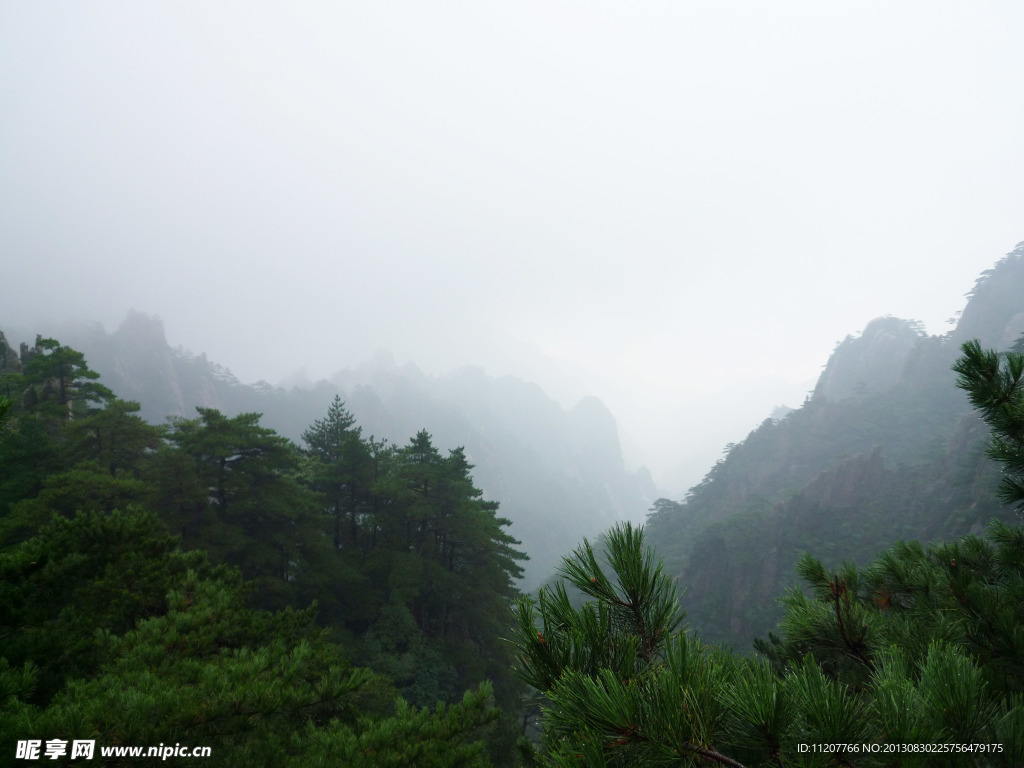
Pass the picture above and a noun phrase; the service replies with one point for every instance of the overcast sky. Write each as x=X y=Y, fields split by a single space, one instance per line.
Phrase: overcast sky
x=667 y=199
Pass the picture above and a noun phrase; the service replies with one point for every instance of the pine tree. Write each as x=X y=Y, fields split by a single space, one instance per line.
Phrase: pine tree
x=115 y=436
x=340 y=473
x=448 y=570
x=59 y=381
x=234 y=488
x=623 y=689
x=623 y=686
x=50 y=386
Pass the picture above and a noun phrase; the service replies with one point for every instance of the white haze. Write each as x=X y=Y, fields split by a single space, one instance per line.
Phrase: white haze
x=653 y=202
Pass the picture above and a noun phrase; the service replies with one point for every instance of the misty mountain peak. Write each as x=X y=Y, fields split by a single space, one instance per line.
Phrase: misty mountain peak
x=141 y=331
x=994 y=314
x=593 y=410
x=871 y=362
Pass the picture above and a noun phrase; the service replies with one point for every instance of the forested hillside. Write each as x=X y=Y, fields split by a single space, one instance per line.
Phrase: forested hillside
x=886 y=447
x=211 y=582
x=558 y=473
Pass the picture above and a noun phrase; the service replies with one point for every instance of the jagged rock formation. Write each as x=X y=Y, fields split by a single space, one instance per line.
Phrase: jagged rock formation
x=8 y=357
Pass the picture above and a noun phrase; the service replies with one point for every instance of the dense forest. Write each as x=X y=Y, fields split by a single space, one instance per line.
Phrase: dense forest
x=212 y=583
x=344 y=600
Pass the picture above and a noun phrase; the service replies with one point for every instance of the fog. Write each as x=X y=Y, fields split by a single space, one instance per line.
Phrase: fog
x=655 y=203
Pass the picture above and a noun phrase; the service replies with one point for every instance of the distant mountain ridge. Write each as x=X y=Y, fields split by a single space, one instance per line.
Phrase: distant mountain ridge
x=886 y=447
x=558 y=473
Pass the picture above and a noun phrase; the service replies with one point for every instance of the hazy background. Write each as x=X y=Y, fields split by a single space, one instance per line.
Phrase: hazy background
x=678 y=207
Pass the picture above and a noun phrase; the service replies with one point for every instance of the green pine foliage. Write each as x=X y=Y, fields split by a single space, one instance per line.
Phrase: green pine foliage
x=624 y=687
x=176 y=656
x=340 y=471
x=57 y=382
x=95 y=572
x=235 y=488
x=995 y=387
x=115 y=437
x=112 y=631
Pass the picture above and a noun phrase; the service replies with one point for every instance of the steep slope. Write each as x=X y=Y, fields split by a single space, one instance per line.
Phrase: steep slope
x=558 y=474
x=887 y=447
